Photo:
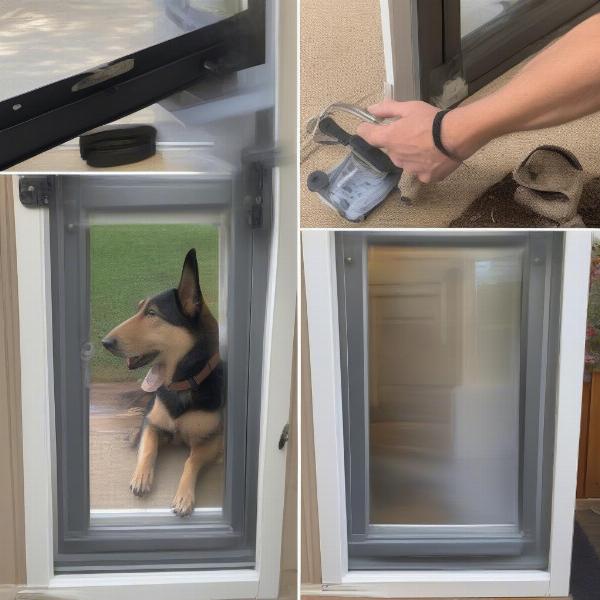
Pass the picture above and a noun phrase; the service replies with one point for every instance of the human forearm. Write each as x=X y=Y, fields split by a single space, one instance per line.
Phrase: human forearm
x=560 y=84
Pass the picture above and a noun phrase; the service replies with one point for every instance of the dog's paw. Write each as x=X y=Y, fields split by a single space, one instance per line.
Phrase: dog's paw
x=183 y=503
x=141 y=482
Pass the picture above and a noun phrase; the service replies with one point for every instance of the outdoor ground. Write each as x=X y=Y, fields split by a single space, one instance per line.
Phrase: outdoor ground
x=128 y=263
x=42 y=42
x=112 y=458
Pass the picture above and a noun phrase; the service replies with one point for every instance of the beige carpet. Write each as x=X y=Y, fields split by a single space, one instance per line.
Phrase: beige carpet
x=112 y=458
x=342 y=60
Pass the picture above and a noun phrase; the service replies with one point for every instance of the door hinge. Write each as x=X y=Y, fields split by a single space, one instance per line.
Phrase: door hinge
x=255 y=198
x=36 y=191
x=284 y=437
x=259 y=163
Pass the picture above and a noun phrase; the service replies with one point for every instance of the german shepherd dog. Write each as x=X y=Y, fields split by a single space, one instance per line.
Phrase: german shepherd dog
x=177 y=335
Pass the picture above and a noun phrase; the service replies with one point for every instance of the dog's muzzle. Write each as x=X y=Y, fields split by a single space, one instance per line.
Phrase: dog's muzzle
x=111 y=344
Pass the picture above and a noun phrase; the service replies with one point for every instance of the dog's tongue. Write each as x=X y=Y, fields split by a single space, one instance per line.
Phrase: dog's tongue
x=154 y=379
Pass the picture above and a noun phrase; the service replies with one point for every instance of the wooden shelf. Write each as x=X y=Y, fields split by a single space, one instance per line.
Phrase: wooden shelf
x=66 y=159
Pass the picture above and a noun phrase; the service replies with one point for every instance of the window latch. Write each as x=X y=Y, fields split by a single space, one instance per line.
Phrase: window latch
x=36 y=191
x=284 y=437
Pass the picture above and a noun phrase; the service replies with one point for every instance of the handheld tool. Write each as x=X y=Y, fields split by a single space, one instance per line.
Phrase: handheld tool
x=363 y=179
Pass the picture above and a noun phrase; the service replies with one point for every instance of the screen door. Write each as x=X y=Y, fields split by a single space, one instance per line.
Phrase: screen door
x=447 y=343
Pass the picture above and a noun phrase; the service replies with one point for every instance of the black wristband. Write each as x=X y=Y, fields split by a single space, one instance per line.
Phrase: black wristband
x=437 y=135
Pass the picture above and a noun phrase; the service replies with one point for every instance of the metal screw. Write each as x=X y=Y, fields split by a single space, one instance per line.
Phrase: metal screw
x=87 y=351
x=348 y=260
x=537 y=260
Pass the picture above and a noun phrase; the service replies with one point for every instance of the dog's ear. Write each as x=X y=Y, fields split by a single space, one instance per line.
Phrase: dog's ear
x=188 y=292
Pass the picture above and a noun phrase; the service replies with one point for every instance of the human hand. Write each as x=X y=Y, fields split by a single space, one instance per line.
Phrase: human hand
x=408 y=139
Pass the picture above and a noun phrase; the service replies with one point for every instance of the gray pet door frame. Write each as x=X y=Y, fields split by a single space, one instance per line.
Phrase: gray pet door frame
x=489 y=51
x=201 y=541
x=392 y=546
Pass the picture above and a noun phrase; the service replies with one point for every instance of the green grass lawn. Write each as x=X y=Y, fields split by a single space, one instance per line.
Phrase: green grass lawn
x=131 y=262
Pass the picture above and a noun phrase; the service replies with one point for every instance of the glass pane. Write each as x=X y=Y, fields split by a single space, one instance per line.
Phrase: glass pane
x=42 y=42
x=444 y=376
x=477 y=13
x=130 y=262
x=506 y=17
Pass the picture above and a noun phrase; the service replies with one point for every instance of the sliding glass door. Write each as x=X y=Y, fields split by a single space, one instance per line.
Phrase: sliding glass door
x=465 y=44
x=69 y=69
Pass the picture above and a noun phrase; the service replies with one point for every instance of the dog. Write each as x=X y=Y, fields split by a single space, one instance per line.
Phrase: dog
x=177 y=335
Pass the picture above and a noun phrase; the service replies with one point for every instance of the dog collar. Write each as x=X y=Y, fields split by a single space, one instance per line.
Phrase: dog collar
x=193 y=382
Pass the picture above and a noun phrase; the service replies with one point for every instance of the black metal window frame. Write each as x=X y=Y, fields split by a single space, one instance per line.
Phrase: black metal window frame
x=203 y=541
x=51 y=115
x=381 y=547
x=491 y=50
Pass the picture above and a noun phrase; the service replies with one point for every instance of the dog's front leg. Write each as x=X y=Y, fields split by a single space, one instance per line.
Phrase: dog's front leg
x=200 y=455
x=143 y=476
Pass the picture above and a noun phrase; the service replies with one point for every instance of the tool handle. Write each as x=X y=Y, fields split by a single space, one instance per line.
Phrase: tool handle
x=330 y=128
x=374 y=156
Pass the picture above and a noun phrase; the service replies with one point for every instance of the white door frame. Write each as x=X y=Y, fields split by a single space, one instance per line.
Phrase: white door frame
x=33 y=268
x=399 y=26
x=322 y=313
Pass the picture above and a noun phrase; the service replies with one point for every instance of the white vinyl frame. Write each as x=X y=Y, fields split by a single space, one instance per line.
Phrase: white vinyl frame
x=322 y=306
x=399 y=26
x=33 y=262
x=32 y=227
